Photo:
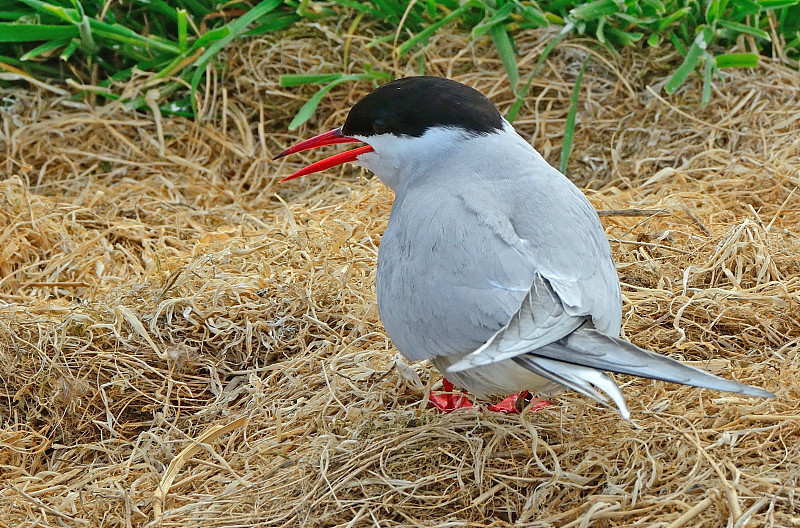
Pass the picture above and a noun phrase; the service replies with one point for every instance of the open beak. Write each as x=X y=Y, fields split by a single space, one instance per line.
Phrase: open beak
x=328 y=138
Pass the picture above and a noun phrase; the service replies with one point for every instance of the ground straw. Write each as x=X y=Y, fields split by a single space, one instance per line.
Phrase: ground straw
x=186 y=343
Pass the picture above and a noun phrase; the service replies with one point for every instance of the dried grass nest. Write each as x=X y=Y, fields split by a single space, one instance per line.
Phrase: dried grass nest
x=186 y=343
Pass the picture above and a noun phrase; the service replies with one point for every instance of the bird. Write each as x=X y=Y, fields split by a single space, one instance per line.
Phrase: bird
x=493 y=265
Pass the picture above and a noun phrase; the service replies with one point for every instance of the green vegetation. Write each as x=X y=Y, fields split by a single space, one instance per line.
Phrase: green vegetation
x=697 y=29
x=97 y=43
x=105 y=42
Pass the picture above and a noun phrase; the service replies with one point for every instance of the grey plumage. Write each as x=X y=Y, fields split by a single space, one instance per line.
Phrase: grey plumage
x=494 y=266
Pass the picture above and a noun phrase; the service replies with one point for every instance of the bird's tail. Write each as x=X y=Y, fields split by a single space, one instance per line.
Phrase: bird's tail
x=577 y=360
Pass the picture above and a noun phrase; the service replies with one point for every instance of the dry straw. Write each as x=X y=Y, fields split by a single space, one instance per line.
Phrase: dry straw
x=186 y=343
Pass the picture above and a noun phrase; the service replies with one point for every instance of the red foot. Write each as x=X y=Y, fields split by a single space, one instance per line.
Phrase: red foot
x=448 y=401
x=516 y=402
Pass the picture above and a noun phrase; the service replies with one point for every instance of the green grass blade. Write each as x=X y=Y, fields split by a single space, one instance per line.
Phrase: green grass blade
x=197 y=9
x=515 y=108
x=677 y=43
x=558 y=5
x=71 y=48
x=500 y=16
x=689 y=63
x=505 y=47
x=235 y=29
x=159 y=35
x=593 y=10
x=78 y=6
x=712 y=11
x=43 y=49
x=708 y=73
x=67 y=15
x=273 y=23
x=308 y=109
x=88 y=45
x=390 y=9
x=362 y=7
x=431 y=5
x=125 y=35
x=777 y=4
x=674 y=17
x=534 y=15
x=12 y=32
x=122 y=75
x=745 y=8
x=743 y=29
x=404 y=48
x=41 y=69
x=794 y=43
x=736 y=60
x=13 y=15
x=210 y=37
x=636 y=20
x=600 y=31
x=158 y=6
x=624 y=38
x=299 y=79
x=569 y=127
x=183 y=23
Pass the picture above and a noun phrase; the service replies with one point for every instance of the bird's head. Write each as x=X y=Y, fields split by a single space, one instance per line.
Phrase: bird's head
x=404 y=123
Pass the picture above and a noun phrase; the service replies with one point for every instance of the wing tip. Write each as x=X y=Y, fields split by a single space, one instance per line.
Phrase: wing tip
x=728 y=385
x=755 y=392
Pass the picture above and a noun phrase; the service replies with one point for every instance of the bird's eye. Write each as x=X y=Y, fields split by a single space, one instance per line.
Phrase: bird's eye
x=380 y=126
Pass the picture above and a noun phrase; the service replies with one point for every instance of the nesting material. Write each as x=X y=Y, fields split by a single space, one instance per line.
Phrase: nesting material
x=184 y=342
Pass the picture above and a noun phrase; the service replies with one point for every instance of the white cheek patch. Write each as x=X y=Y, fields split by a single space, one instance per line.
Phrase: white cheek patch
x=397 y=160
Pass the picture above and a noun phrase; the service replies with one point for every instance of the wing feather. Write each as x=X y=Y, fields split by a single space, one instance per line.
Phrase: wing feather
x=540 y=320
x=588 y=347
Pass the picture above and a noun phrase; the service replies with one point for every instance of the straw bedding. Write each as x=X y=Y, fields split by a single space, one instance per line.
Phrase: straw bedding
x=184 y=342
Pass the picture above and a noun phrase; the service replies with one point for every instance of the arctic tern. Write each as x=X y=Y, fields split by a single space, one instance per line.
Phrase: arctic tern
x=493 y=265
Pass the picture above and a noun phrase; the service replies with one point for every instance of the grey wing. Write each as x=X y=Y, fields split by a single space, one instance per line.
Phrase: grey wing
x=574 y=281
x=590 y=348
x=572 y=253
x=446 y=282
x=540 y=320
x=578 y=360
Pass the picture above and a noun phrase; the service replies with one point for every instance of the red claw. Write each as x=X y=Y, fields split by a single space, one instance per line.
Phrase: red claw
x=448 y=400
x=515 y=403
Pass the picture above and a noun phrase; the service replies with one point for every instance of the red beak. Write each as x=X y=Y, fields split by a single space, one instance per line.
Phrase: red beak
x=328 y=138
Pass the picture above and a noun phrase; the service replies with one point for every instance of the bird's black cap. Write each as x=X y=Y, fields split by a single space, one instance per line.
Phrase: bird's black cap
x=412 y=105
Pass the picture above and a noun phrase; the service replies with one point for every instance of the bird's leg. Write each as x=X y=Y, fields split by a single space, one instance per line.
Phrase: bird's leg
x=515 y=403
x=447 y=400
